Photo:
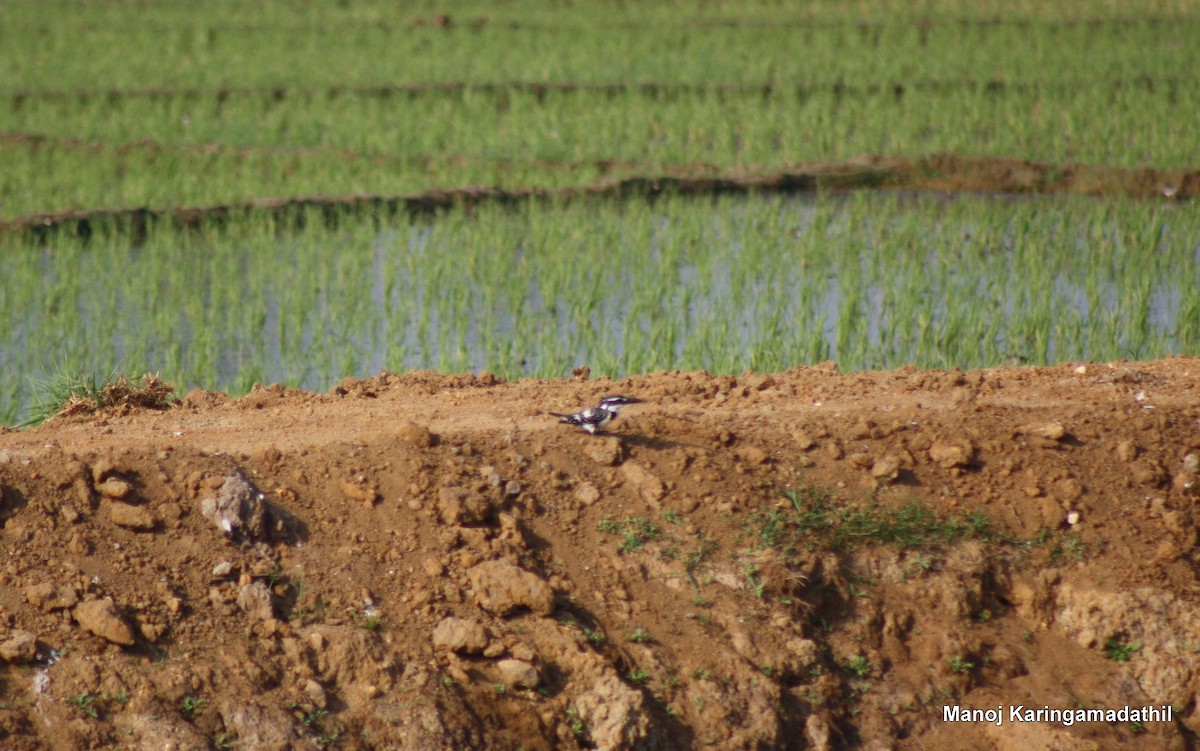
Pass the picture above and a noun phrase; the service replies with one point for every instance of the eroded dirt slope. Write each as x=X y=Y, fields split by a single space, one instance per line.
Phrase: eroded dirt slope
x=426 y=561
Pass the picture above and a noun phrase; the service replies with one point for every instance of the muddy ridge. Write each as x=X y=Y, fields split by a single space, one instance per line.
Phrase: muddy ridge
x=809 y=559
x=449 y=22
x=664 y=89
x=949 y=173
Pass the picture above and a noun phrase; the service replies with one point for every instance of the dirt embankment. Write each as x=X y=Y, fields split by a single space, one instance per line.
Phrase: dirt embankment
x=427 y=561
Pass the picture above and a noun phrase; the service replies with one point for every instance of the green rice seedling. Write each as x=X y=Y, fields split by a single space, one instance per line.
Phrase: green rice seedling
x=871 y=280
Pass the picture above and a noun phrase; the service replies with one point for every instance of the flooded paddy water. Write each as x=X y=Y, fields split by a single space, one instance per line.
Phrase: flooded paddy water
x=872 y=280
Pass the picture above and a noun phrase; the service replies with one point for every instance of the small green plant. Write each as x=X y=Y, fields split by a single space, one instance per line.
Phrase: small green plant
x=701 y=674
x=911 y=525
x=314 y=720
x=635 y=532
x=671 y=516
x=639 y=676
x=756 y=584
x=640 y=635
x=499 y=688
x=959 y=664
x=774 y=529
x=595 y=637
x=1069 y=547
x=88 y=703
x=575 y=724
x=638 y=532
x=1119 y=651
x=370 y=622
x=192 y=706
x=313 y=717
x=860 y=666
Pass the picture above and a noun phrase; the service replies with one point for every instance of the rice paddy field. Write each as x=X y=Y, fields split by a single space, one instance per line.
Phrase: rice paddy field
x=163 y=105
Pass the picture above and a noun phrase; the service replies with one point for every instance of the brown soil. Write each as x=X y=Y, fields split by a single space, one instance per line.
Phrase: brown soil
x=433 y=562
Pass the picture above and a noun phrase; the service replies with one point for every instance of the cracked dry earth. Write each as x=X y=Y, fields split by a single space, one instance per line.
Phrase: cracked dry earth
x=422 y=562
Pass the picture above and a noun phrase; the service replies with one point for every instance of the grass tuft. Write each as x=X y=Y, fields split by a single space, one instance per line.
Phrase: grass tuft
x=67 y=393
x=911 y=525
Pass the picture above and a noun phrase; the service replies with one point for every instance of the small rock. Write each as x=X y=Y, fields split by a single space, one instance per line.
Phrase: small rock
x=49 y=596
x=587 y=493
x=1186 y=483
x=860 y=459
x=1053 y=430
x=1151 y=473
x=151 y=631
x=512 y=488
x=517 y=673
x=362 y=492
x=222 y=570
x=1127 y=451
x=1069 y=489
x=649 y=487
x=415 y=435
x=102 y=468
x=817 y=732
x=459 y=506
x=137 y=518
x=238 y=508
x=20 y=647
x=605 y=451
x=862 y=431
x=460 y=635
x=256 y=600
x=114 y=488
x=751 y=455
x=803 y=440
x=886 y=467
x=315 y=694
x=948 y=455
x=613 y=713
x=102 y=619
x=500 y=587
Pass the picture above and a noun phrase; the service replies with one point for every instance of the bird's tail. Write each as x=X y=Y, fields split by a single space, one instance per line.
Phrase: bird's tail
x=562 y=417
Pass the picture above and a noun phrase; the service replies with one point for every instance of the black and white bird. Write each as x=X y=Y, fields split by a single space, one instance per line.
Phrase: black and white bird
x=593 y=419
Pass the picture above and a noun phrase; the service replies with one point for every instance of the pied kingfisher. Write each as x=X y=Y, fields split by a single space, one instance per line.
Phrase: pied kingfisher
x=593 y=419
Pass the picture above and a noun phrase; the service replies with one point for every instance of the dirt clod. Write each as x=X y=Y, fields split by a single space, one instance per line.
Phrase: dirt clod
x=460 y=635
x=19 y=647
x=50 y=596
x=137 y=518
x=501 y=587
x=102 y=618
